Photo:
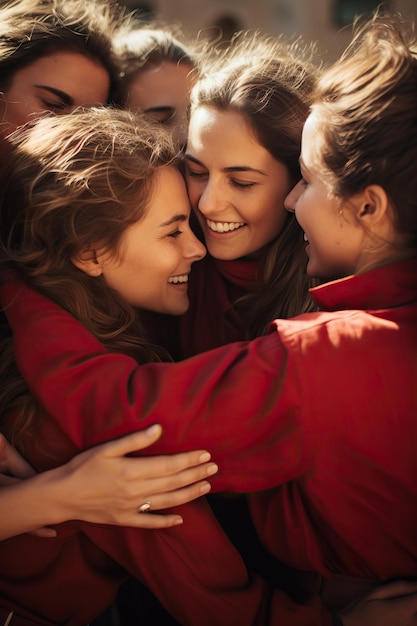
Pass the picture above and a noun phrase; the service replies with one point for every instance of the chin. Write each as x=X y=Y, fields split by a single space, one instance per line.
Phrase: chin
x=178 y=310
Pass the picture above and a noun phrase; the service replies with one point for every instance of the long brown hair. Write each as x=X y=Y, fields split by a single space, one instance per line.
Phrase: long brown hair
x=268 y=82
x=72 y=183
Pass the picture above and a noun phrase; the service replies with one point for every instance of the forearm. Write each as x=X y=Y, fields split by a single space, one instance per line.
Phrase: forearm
x=32 y=503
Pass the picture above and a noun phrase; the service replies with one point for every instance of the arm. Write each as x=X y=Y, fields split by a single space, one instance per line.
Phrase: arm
x=72 y=360
x=229 y=400
x=100 y=485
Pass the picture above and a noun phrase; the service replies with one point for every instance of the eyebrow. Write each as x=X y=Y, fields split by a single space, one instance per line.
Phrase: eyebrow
x=57 y=92
x=235 y=168
x=175 y=218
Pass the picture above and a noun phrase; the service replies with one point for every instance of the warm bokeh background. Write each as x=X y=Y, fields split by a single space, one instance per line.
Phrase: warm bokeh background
x=326 y=22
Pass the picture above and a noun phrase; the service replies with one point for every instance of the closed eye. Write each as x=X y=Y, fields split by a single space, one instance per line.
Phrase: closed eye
x=175 y=233
x=241 y=185
x=55 y=106
x=194 y=173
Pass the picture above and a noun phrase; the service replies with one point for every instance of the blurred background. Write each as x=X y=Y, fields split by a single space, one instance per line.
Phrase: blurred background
x=327 y=22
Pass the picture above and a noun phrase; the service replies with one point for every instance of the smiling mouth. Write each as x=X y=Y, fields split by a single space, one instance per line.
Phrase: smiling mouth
x=224 y=227
x=305 y=238
x=178 y=280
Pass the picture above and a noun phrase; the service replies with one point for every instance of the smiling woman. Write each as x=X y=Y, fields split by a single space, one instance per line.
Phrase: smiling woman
x=154 y=257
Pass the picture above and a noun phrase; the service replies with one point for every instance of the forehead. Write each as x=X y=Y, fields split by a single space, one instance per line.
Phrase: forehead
x=163 y=84
x=168 y=196
x=77 y=75
x=225 y=134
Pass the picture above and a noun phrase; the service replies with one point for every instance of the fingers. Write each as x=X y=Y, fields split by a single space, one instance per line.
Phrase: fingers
x=171 y=499
x=156 y=521
x=160 y=465
x=133 y=442
x=166 y=466
x=161 y=484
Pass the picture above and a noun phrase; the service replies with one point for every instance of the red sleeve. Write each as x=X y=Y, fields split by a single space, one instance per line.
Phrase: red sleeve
x=199 y=577
x=230 y=401
x=221 y=400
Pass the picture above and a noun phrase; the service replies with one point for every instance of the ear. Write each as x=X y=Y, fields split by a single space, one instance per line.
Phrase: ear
x=373 y=206
x=87 y=261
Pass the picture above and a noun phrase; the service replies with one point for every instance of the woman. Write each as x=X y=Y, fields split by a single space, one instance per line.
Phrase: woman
x=158 y=71
x=54 y=55
x=340 y=505
x=105 y=219
x=241 y=161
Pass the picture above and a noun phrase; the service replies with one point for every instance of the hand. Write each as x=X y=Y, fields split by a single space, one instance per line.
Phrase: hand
x=393 y=604
x=102 y=485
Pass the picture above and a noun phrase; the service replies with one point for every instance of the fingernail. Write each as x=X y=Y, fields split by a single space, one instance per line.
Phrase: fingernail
x=177 y=521
x=212 y=469
x=206 y=456
x=205 y=488
x=153 y=430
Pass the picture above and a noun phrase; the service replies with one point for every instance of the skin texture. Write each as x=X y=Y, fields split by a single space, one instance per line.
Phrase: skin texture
x=162 y=92
x=236 y=188
x=58 y=82
x=160 y=248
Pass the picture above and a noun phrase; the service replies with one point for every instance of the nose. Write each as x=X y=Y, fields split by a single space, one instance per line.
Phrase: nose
x=291 y=199
x=210 y=201
x=194 y=250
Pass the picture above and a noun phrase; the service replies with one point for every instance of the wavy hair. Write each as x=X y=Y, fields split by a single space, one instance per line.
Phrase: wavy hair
x=270 y=83
x=72 y=183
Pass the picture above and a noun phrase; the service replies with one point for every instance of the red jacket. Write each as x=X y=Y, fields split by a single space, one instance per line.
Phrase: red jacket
x=211 y=321
x=323 y=409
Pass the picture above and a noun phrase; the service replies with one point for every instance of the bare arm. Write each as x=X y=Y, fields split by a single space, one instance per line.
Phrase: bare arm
x=100 y=485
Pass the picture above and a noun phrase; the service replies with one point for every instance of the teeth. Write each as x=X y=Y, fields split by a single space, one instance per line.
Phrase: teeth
x=224 y=227
x=305 y=237
x=178 y=279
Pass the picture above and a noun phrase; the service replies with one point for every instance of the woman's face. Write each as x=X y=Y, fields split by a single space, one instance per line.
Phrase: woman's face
x=58 y=82
x=335 y=238
x=156 y=253
x=235 y=185
x=163 y=93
